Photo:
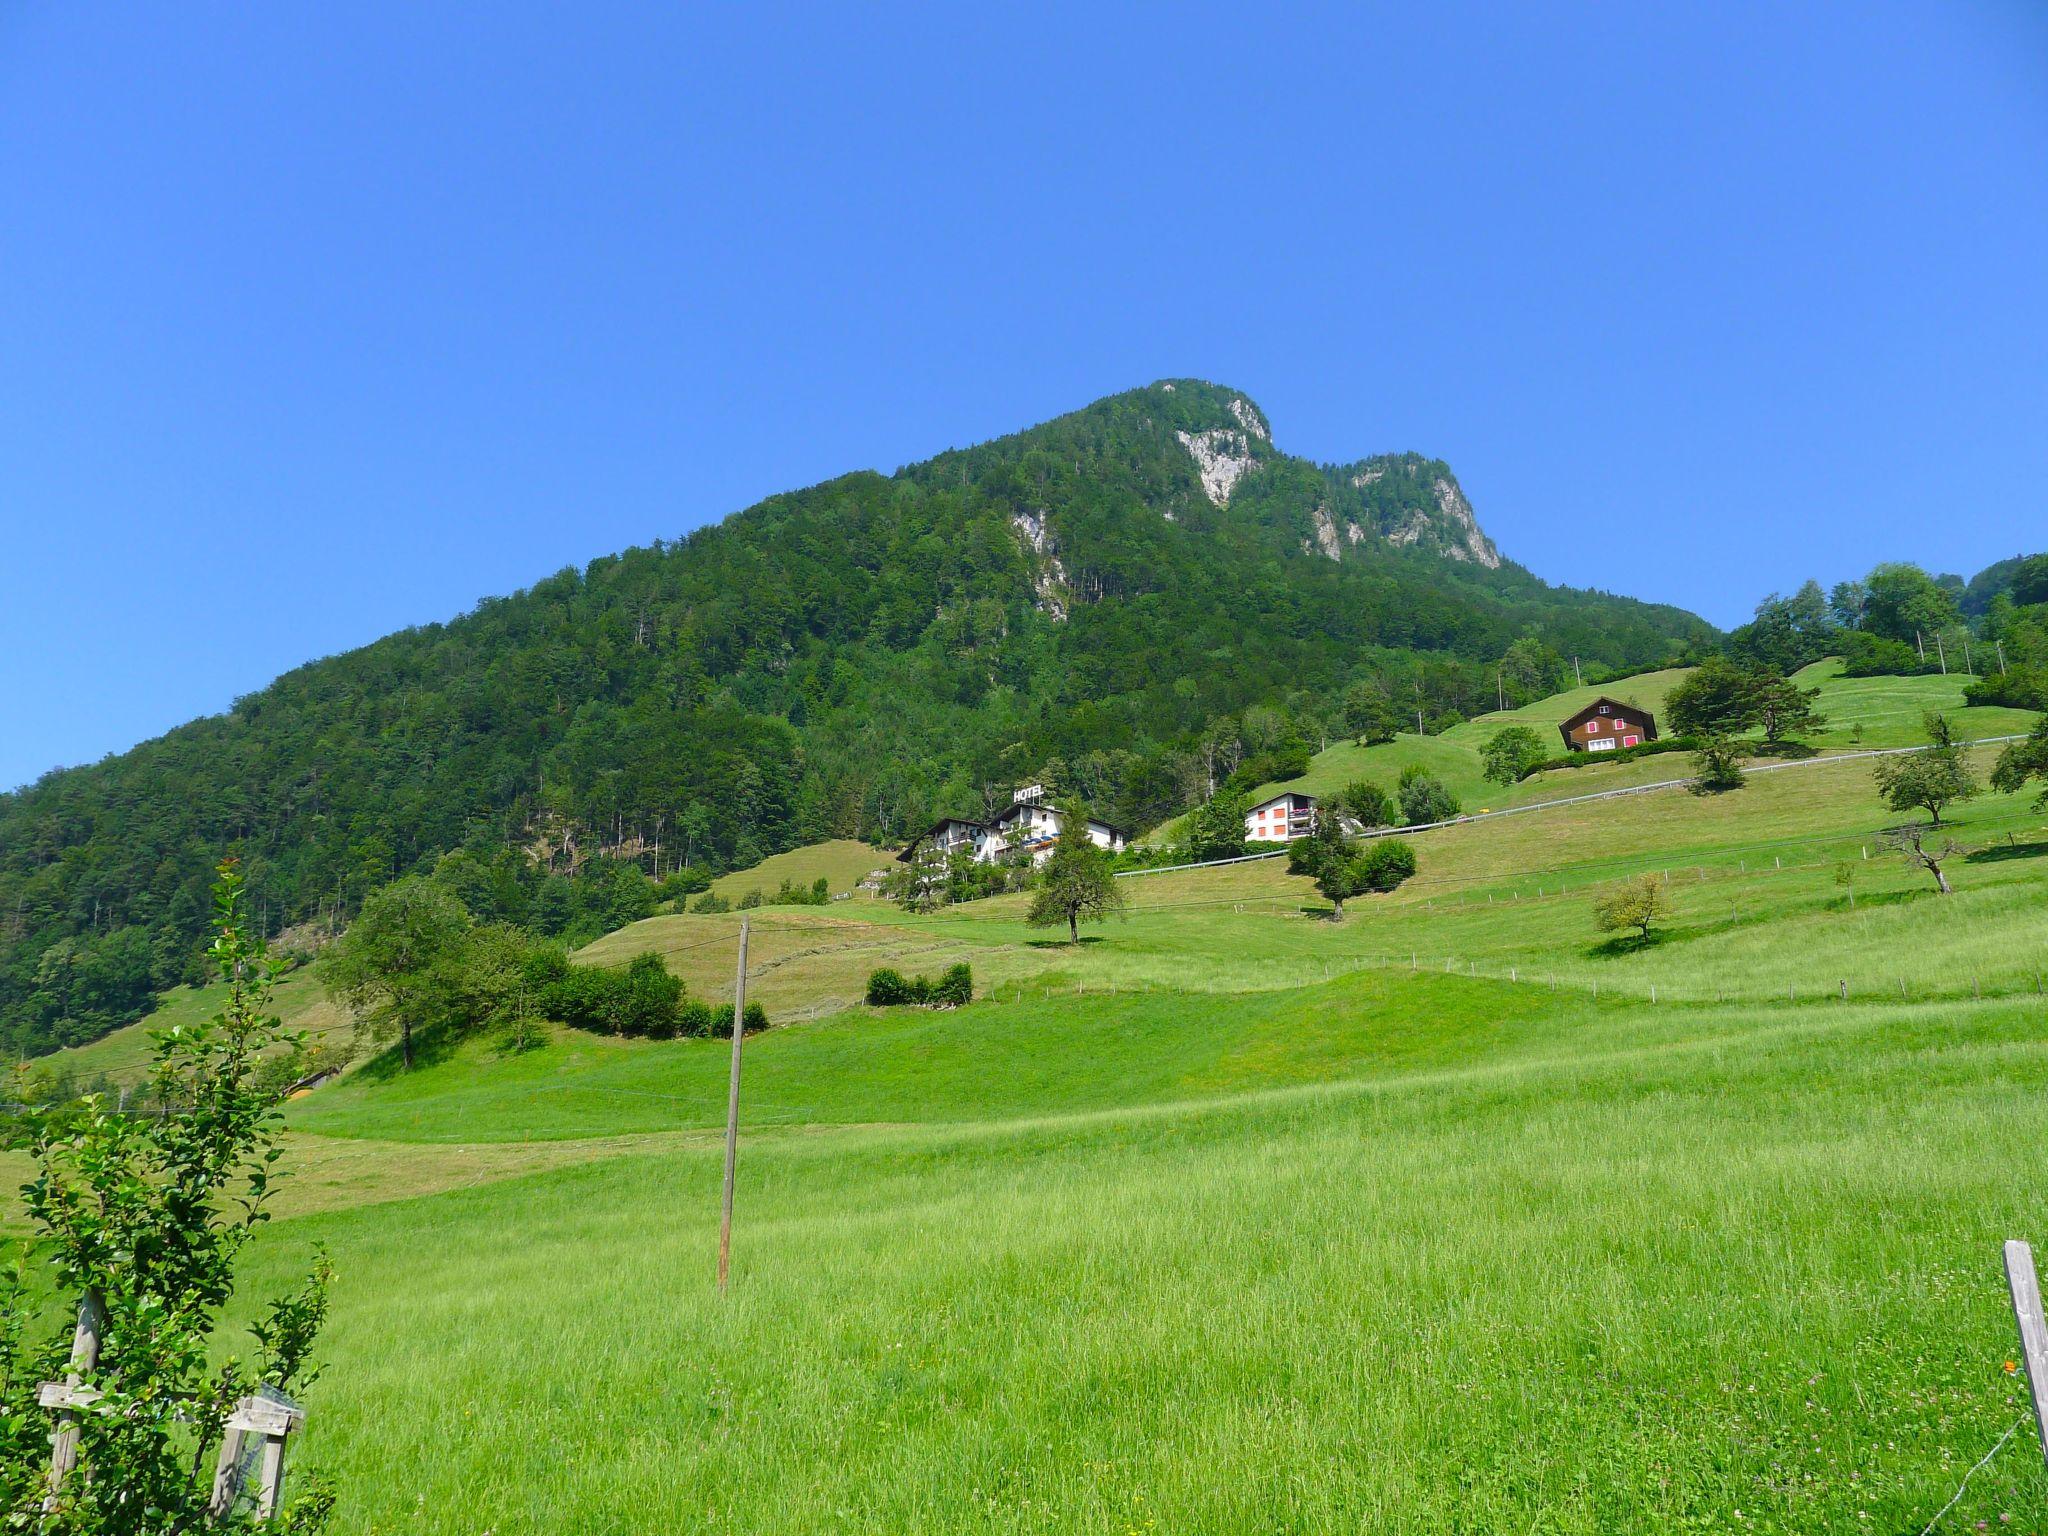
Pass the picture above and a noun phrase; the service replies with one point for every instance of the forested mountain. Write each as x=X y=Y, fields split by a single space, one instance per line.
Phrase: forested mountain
x=1081 y=601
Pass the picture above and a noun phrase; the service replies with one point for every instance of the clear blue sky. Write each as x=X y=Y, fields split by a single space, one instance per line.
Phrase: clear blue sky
x=322 y=320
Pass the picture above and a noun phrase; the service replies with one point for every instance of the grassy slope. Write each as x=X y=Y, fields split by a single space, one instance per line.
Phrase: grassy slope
x=1861 y=712
x=844 y=863
x=1230 y=1221
x=124 y=1054
x=1615 y=1272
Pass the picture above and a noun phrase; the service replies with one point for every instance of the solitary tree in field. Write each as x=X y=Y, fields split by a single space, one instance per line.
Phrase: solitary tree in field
x=1077 y=882
x=2024 y=761
x=1381 y=866
x=1931 y=779
x=391 y=968
x=1718 y=698
x=1717 y=767
x=1784 y=709
x=1511 y=753
x=1637 y=904
x=1912 y=842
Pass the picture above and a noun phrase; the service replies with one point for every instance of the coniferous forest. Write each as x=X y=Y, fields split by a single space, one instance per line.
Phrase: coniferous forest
x=1081 y=603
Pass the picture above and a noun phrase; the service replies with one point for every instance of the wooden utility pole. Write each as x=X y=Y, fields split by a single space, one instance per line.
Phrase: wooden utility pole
x=732 y=1109
x=1578 y=676
x=1941 y=653
x=2026 y=1308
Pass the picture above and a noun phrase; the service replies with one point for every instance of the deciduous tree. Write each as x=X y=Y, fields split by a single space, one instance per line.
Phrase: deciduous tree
x=1077 y=882
x=1933 y=778
x=1511 y=753
x=1637 y=903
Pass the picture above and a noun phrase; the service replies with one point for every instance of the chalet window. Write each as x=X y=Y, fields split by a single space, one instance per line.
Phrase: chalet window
x=1606 y=709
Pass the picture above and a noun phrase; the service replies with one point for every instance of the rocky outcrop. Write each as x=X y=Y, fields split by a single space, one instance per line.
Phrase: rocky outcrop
x=1049 y=580
x=1462 y=539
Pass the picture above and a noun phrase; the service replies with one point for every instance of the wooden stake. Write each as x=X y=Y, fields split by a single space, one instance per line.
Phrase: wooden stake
x=732 y=1109
x=85 y=1356
x=2026 y=1310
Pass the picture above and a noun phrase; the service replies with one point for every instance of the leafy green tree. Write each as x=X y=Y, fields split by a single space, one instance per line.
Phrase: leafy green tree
x=1345 y=872
x=1717 y=698
x=1369 y=713
x=1511 y=753
x=390 y=969
x=141 y=1218
x=1847 y=601
x=1933 y=778
x=1424 y=797
x=2030 y=581
x=1784 y=709
x=1717 y=767
x=1529 y=670
x=1367 y=804
x=1216 y=828
x=2022 y=762
x=1325 y=845
x=1902 y=602
x=1637 y=903
x=1076 y=882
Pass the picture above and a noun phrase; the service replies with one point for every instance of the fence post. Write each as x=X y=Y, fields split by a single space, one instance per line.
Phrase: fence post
x=2026 y=1310
x=85 y=1356
x=732 y=1110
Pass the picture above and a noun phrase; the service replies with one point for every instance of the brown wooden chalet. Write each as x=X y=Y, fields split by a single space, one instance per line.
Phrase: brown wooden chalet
x=1606 y=725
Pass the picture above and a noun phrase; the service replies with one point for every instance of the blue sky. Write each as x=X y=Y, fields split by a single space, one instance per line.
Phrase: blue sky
x=323 y=320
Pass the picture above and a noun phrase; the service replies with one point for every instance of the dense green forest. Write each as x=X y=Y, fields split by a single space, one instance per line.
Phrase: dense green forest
x=1097 y=601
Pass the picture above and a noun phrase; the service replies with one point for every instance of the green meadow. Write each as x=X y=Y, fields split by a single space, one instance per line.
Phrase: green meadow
x=1456 y=1216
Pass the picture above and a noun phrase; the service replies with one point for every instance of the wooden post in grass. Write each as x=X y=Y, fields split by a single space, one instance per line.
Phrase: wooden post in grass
x=732 y=1109
x=68 y=1396
x=268 y=1417
x=2026 y=1310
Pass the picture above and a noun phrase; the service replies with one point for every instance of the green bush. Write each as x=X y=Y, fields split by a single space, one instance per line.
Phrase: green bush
x=1386 y=863
x=890 y=988
x=1865 y=655
x=954 y=987
x=711 y=901
x=1423 y=797
x=2020 y=688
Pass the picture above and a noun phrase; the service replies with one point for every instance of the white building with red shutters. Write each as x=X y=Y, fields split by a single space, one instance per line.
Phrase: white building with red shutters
x=1281 y=819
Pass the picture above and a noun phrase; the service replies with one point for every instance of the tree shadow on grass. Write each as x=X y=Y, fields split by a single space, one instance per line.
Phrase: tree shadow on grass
x=1999 y=853
x=430 y=1047
x=1086 y=938
x=1633 y=943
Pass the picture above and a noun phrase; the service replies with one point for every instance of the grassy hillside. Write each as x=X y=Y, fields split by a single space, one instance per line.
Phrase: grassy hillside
x=1233 y=1219
x=123 y=1055
x=1865 y=712
x=1595 y=1271
x=844 y=862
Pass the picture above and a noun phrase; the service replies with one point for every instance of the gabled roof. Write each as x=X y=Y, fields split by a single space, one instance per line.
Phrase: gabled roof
x=1285 y=794
x=1614 y=706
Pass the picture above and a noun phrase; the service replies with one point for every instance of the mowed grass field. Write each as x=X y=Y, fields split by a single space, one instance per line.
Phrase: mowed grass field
x=843 y=863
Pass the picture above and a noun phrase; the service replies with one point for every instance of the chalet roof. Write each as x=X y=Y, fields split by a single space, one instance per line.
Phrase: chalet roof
x=1285 y=794
x=1614 y=706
